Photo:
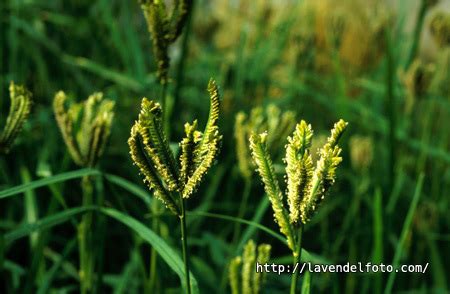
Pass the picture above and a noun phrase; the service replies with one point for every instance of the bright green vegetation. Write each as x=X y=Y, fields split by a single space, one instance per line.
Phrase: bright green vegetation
x=76 y=216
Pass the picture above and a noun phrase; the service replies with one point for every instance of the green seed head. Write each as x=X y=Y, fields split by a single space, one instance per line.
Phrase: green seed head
x=21 y=101
x=277 y=124
x=248 y=280
x=165 y=27
x=85 y=126
x=150 y=151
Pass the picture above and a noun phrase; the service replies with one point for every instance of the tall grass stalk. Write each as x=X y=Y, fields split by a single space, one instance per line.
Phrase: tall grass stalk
x=85 y=238
x=164 y=174
x=391 y=106
x=404 y=234
x=180 y=69
x=297 y=259
x=151 y=284
x=417 y=32
x=184 y=242
x=153 y=254
x=242 y=209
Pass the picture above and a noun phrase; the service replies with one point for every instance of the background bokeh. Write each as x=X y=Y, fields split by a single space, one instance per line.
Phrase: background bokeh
x=383 y=66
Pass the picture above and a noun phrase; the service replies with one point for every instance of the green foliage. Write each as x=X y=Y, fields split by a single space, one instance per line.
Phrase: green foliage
x=21 y=101
x=150 y=151
x=322 y=59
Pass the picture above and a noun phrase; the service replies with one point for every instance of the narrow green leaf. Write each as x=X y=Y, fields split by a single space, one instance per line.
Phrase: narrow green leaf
x=404 y=234
x=130 y=187
x=240 y=220
x=44 y=223
x=50 y=274
x=250 y=230
x=167 y=254
x=377 y=251
x=306 y=284
x=47 y=181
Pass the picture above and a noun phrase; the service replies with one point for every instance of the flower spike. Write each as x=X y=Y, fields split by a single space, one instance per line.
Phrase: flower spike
x=150 y=151
x=21 y=101
x=94 y=116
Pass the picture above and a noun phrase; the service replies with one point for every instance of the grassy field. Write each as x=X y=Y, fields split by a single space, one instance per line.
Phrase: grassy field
x=78 y=218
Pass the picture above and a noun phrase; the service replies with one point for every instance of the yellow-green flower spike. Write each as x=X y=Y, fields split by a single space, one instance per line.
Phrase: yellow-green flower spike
x=208 y=143
x=165 y=27
x=250 y=281
x=336 y=133
x=157 y=144
x=278 y=125
x=151 y=177
x=150 y=151
x=299 y=168
x=306 y=185
x=65 y=119
x=96 y=125
x=242 y=152
x=262 y=258
x=266 y=171
x=324 y=174
x=21 y=101
x=248 y=267
x=188 y=145
x=233 y=274
x=85 y=144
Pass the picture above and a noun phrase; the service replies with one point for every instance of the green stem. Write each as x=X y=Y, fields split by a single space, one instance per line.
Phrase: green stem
x=165 y=112
x=179 y=76
x=297 y=258
x=184 y=244
x=391 y=106
x=417 y=32
x=242 y=208
x=85 y=239
x=153 y=253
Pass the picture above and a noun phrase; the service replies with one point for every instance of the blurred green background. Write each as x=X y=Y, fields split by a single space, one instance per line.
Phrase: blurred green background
x=383 y=66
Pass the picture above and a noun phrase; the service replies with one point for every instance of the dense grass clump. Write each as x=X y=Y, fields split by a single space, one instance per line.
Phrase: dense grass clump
x=75 y=215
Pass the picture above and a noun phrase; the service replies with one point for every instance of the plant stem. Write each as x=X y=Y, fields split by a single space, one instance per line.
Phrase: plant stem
x=85 y=238
x=242 y=208
x=179 y=75
x=391 y=106
x=297 y=258
x=165 y=116
x=417 y=33
x=184 y=244
x=153 y=253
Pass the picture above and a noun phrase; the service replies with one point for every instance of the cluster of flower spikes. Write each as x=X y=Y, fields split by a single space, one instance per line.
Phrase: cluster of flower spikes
x=85 y=126
x=306 y=185
x=21 y=101
x=151 y=153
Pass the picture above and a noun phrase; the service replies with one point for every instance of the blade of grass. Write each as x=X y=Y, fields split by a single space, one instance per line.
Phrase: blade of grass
x=44 y=223
x=306 y=284
x=47 y=181
x=377 y=253
x=240 y=220
x=250 y=230
x=404 y=233
x=130 y=187
x=30 y=205
x=172 y=258
x=104 y=72
x=51 y=273
x=128 y=273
